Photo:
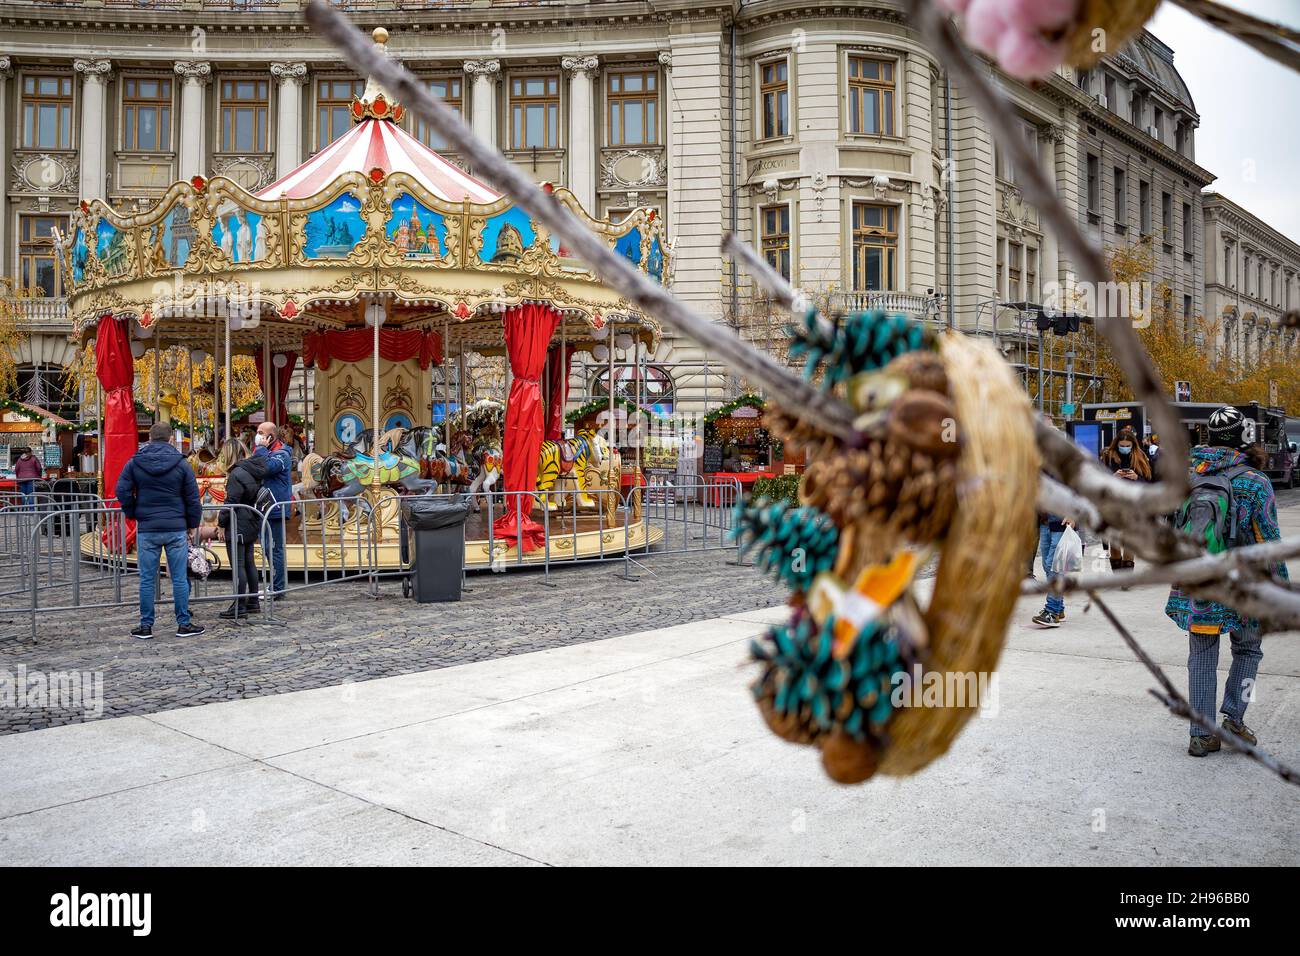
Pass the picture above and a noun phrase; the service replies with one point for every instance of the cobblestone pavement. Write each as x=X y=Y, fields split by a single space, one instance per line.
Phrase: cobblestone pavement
x=339 y=633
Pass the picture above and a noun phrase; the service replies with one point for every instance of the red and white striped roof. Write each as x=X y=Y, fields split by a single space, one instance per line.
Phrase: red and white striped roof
x=380 y=144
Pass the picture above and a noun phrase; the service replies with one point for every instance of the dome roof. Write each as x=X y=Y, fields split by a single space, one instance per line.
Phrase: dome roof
x=380 y=144
x=1155 y=61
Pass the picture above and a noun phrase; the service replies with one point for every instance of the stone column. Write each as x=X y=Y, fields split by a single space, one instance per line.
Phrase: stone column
x=581 y=145
x=6 y=71
x=91 y=143
x=192 y=147
x=288 y=129
x=483 y=119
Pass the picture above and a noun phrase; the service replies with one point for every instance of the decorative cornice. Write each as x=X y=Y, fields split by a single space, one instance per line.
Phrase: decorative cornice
x=477 y=68
x=96 y=69
x=584 y=65
x=6 y=67
x=289 y=71
x=192 y=70
x=666 y=60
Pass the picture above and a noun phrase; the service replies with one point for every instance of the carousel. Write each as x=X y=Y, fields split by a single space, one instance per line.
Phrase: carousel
x=374 y=263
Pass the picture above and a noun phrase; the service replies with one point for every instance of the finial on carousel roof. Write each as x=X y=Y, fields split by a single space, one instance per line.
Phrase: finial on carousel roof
x=375 y=102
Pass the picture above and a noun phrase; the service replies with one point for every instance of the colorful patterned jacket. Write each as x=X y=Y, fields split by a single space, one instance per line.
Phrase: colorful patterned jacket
x=1252 y=494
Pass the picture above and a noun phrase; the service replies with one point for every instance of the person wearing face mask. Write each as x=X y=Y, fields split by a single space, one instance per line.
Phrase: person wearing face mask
x=1126 y=459
x=27 y=470
x=279 y=481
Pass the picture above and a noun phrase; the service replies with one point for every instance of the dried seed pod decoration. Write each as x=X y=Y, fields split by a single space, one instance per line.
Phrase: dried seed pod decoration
x=795 y=544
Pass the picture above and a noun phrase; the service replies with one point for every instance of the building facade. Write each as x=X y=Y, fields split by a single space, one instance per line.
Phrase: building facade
x=1252 y=278
x=826 y=135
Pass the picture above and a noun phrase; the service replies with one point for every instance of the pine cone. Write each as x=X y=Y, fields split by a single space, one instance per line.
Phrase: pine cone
x=923 y=369
x=795 y=544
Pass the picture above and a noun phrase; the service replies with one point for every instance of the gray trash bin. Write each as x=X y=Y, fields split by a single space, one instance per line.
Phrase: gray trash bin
x=437 y=540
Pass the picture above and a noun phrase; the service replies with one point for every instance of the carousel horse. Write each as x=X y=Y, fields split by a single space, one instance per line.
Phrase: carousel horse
x=448 y=467
x=485 y=460
x=348 y=477
x=571 y=457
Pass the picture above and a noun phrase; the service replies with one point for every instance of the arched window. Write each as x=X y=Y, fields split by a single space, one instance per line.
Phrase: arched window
x=657 y=393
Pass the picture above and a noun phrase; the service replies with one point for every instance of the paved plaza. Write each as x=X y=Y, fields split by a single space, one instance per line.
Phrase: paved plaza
x=639 y=748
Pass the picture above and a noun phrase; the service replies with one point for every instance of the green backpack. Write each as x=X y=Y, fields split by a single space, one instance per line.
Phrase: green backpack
x=1209 y=514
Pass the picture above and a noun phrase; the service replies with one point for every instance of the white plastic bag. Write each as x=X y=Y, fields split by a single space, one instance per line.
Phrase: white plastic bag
x=1069 y=553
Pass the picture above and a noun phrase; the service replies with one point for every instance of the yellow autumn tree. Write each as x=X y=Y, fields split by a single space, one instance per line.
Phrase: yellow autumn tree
x=10 y=337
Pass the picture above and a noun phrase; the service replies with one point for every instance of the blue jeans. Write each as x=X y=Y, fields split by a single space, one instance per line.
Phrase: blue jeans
x=275 y=546
x=28 y=490
x=1202 y=673
x=149 y=546
x=1047 y=542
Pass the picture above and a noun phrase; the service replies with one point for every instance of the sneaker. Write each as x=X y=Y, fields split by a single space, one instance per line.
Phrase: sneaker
x=1203 y=746
x=143 y=633
x=1047 y=619
x=190 y=630
x=1241 y=730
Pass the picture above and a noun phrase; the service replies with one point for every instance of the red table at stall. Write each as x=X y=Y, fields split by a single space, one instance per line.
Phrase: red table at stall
x=746 y=479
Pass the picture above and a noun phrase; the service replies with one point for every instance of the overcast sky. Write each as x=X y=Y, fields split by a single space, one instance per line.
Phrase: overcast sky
x=1250 y=111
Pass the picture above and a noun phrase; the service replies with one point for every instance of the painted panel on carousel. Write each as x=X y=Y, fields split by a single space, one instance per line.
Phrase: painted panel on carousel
x=334 y=231
x=348 y=428
x=398 y=420
x=170 y=239
x=111 y=248
x=239 y=233
x=655 y=261
x=506 y=236
x=417 y=231
x=629 y=246
x=79 y=254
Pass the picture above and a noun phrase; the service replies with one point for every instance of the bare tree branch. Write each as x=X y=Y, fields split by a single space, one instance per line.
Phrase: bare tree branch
x=1179 y=706
x=1274 y=40
x=1086 y=475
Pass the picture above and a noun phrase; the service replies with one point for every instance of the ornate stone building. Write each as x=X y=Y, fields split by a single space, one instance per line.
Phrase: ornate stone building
x=1252 y=277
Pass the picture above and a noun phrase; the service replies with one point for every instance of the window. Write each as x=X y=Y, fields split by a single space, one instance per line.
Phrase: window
x=1167 y=219
x=38 y=270
x=871 y=96
x=1094 y=184
x=244 y=107
x=1031 y=274
x=1015 y=253
x=1180 y=136
x=1227 y=266
x=1188 y=239
x=774 y=92
x=1137 y=106
x=1144 y=207
x=1111 y=102
x=1121 y=200
x=1084 y=78
x=334 y=108
x=47 y=112
x=633 y=115
x=1187 y=311
x=776 y=238
x=535 y=112
x=146 y=113
x=1001 y=165
x=1158 y=122
x=875 y=247
x=447 y=89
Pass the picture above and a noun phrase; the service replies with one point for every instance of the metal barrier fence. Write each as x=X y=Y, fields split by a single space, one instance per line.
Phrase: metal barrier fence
x=59 y=552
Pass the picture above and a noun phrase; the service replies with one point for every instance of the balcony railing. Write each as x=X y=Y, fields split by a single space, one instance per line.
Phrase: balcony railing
x=39 y=312
x=909 y=303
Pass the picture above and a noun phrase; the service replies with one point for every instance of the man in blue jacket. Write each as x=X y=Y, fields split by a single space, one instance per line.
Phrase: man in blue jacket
x=158 y=492
x=279 y=481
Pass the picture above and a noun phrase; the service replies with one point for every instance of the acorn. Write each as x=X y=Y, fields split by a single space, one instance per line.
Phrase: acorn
x=848 y=759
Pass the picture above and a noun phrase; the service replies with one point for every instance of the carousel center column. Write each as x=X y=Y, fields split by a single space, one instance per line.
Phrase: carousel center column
x=582 y=165
x=288 y=130
x=93 y=84
x=483 y=119
x=193 y=77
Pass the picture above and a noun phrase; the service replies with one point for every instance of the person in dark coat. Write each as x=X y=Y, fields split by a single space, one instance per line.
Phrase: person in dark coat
x=158 y=492
x=279 y=481
x=1126 y=459
x=27 y=471
x=245 y=476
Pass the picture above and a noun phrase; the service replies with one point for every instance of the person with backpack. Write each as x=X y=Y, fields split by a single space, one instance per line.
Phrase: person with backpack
x=158 y=492
x=1231 y=505
x=279 y=481
x=242 y=524
x=1125 y=458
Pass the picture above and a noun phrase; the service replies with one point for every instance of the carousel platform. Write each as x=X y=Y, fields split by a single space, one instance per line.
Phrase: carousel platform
x=329 y=547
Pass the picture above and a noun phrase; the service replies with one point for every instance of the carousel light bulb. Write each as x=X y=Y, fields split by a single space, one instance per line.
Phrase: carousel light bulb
x=280 y=360
x=197 y=355
x=236 y=323
x=600 y=353
x=137 y=348
x=375 y=313
x=623 y=341
x=601 y=333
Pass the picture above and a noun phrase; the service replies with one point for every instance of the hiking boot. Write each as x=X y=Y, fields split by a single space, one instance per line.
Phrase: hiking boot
x=143 y=633
x=1203 y=746
x=1046 y=618
x=190 y=630
x=1241 y=730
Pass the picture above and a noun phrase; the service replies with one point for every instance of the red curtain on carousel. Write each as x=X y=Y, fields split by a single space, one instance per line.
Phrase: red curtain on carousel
x=557 y=371
x=352 y=345
x=528 y=330
x=115 y=370
x=283 y=376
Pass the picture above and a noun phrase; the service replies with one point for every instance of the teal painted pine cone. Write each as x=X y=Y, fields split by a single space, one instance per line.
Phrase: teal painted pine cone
x=792 y=543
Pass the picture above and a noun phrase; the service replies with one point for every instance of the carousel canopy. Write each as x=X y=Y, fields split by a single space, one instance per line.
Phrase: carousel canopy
x=380 y=144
